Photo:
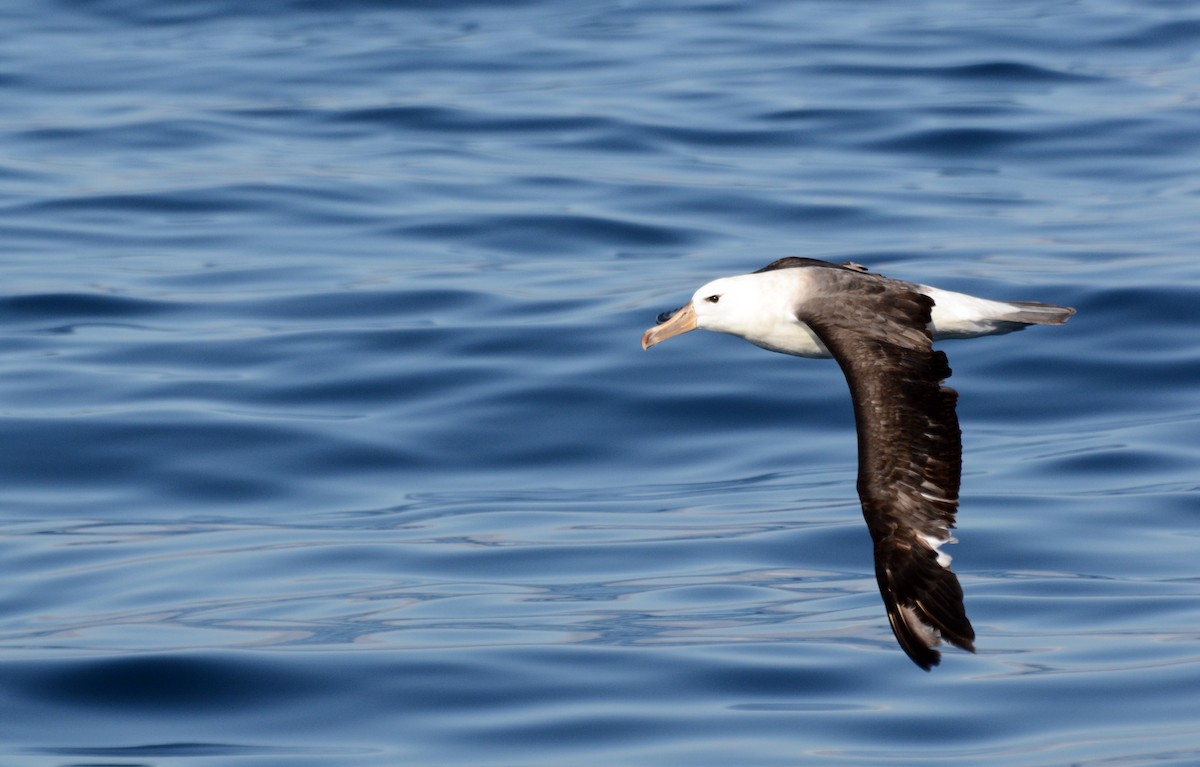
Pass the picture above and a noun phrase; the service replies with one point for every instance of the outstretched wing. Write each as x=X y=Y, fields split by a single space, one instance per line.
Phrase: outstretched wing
x=909 y=448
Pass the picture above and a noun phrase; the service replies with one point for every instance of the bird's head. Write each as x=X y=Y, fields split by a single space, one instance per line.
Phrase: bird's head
x=736 y=305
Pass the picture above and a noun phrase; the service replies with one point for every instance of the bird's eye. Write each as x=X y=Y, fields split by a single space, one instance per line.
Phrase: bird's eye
x=713 y=299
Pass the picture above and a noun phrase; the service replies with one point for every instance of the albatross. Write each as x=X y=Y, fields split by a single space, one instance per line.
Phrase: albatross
x=881 y=333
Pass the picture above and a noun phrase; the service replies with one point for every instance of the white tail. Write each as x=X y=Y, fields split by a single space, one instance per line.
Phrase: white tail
x=957 y=315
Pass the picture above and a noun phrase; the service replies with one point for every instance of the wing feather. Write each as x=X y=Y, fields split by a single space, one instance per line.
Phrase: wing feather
x=909 y=447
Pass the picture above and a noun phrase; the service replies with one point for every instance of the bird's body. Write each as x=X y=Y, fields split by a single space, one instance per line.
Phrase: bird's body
x=770 y=320
x=881 y=332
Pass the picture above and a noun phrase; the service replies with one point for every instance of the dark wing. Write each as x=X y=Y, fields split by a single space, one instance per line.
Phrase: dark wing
x=909 y=447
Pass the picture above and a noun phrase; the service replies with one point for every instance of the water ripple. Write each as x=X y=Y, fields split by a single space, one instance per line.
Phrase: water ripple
x=328 y=437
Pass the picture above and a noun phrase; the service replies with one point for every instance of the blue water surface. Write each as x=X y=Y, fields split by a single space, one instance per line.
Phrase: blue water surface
x=327 y=438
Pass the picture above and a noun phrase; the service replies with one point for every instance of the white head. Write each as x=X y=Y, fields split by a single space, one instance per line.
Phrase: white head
x=752 y=306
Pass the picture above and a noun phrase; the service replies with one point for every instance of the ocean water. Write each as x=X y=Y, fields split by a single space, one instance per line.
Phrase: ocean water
x=326 y=437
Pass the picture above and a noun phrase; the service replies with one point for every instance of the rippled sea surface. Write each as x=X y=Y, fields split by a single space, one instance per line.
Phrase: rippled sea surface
x=326 y=437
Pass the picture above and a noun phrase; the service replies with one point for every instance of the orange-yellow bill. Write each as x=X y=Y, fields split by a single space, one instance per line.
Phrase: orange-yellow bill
x=680 y=322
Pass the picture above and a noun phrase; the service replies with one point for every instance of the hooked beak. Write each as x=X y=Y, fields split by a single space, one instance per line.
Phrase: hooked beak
x=680 y=321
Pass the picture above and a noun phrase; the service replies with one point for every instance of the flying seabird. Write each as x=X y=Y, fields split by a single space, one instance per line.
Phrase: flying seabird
x=881 y=332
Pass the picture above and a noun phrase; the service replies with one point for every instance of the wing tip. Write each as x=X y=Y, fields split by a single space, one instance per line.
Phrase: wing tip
x=924 y=603
x=1037 y=313
x=920 y=638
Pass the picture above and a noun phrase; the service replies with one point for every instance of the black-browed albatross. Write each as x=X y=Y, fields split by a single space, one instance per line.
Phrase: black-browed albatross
x=881 y=332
